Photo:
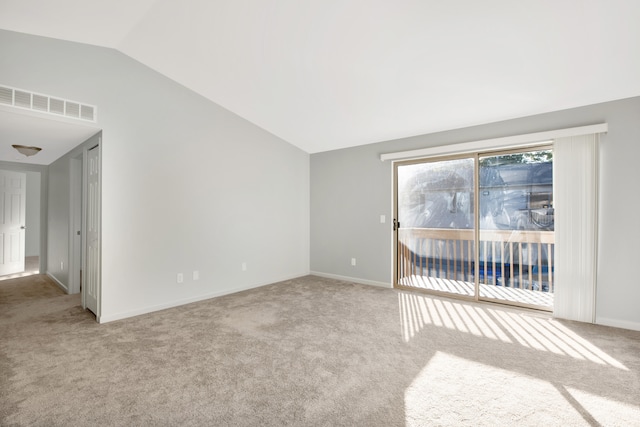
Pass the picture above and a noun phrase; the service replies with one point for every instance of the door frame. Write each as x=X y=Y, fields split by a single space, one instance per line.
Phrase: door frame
x=14 y=227
x=44 y=197
x=76 y=200
x=83 y=233
x=434 y=159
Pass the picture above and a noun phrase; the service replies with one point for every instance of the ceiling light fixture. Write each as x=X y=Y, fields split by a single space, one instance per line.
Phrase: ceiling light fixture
x=27 y=151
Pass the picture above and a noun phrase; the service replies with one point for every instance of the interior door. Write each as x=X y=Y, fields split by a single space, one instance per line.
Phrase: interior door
x=92 y=288
x=12 y=221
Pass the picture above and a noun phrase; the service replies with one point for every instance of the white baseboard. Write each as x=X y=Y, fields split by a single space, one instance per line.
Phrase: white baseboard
x=150 y=309
x=617 y=323
x=352 y=279
x=57 y=282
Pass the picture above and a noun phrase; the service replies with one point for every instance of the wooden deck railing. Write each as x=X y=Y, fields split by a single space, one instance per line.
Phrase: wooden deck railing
x=514 y=258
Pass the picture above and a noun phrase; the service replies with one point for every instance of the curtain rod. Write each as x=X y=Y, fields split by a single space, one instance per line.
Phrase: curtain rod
x=513 y=141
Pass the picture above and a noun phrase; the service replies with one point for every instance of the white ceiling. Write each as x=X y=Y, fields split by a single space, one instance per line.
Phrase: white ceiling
x=328 y=74
x=55 y=137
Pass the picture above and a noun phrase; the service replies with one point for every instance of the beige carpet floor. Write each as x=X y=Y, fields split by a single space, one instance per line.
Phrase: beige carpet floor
x=309 y=351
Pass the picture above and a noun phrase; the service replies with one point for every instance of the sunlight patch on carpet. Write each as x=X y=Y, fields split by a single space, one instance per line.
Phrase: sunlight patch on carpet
x=454 y=391
x=530 y=330
x=607 y=411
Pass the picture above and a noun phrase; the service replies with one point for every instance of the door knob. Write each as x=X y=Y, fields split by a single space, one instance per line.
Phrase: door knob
x=22 y=227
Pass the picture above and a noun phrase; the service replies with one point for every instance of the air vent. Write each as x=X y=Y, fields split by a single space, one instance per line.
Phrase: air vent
x=40 y=103
x=73 y=109
x=44 y=103
x=6 y=95
x=56 y=106
x=22 y=99
x=87 y=112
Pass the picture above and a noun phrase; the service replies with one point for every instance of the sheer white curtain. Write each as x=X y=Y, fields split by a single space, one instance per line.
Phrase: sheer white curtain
x=575 y=186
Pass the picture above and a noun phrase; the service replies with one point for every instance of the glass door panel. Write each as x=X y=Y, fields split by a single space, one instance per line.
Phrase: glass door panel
x=516 y=245
x=435 y=211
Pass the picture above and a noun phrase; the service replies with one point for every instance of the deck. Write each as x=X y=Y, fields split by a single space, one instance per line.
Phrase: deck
x=514 y=266
x=464 y=288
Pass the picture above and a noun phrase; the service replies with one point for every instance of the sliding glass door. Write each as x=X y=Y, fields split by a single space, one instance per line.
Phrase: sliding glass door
x=435 y=234
x=478 y=227
x=516 y=228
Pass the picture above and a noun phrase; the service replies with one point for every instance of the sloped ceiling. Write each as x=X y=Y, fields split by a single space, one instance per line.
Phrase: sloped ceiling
x=328 y=74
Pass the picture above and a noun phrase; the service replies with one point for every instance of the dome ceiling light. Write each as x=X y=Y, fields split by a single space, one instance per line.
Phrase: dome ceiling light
x=27 y=151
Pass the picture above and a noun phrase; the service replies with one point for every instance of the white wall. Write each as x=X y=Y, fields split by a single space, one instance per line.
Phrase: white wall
x=32 y=222
x=186 y=185
x=351 y=188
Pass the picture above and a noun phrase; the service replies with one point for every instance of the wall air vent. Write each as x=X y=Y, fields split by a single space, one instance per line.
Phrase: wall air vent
x=86 y=112
x=6 y=96
x=56 y=106
x=40 y=103
x=46 y=104
x=21 y=99
x=73 y=109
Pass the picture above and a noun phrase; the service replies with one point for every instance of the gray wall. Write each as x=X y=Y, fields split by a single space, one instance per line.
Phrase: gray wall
x=351 y=188
x=58 y=223
x=32 y=235
x=186 y=184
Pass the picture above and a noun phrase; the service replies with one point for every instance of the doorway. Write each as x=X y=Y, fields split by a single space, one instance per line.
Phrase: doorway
x=85 y=225
x=478 y=226
x=92 y=241
x=75 y=224
x=21 y=222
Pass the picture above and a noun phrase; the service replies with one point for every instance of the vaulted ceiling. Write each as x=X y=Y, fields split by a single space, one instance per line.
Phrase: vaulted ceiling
x=328 y=74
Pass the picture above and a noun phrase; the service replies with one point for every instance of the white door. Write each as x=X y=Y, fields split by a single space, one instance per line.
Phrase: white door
x=91 y=287
x=12 y=221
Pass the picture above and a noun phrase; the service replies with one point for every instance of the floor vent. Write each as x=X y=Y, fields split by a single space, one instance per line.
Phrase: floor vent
x=46 y=104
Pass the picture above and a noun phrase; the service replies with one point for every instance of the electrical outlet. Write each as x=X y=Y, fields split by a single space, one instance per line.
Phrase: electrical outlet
x=61 y=265
x=244 y=266
x=353 y=261
x=383 y=219
x=180 y=278
x=196 y=275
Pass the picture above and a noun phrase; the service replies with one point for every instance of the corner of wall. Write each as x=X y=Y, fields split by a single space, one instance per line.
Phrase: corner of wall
x=352 y=279
x=57 y=282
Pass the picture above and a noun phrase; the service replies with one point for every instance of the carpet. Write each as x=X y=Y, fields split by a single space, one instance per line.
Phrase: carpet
x=309 y=352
